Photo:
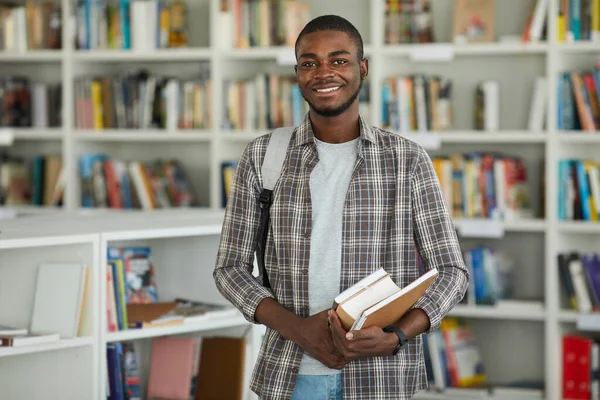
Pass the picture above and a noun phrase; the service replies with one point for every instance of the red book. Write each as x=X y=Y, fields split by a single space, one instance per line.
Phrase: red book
x=576 y=368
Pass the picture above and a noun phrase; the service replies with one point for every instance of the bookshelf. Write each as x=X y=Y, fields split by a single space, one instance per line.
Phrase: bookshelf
x=513 y=64
x=182 y=244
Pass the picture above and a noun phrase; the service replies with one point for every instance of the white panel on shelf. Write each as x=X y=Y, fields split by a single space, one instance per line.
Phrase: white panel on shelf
x=286 y=57
x=6 y=137
x=589 y=322
x=440 y=52
x=428 y=140
x=480 y=228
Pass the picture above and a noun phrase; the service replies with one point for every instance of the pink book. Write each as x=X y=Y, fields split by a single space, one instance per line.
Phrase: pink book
x=171 y=367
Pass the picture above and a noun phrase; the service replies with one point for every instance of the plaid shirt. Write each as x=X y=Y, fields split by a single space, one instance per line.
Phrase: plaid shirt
x=394 y=206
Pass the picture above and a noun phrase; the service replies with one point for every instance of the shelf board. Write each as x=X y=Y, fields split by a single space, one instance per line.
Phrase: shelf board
x=429 y=140
x=432 y=140
x=503 y=393
x=495 y=229
x=475 y=49
x=579 y=47
x=242 y=135
x=568 y=316
x=526 y=225
x=284 y=53
x=530 y=311
x=32 y=56
x=174 y=55
x=579 y=227
x=579 y=137
x=38 y=348
x=37 y=133
x=143 y=135
x=208 y=325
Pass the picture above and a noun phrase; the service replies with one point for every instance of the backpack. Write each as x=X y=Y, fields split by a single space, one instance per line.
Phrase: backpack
x=270 y=170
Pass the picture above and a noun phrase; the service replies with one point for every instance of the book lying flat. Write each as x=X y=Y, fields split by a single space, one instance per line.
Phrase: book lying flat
x=377 y=300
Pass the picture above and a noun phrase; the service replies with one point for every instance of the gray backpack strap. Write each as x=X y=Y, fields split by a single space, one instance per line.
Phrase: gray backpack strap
x=276 y=151
x=271 y=169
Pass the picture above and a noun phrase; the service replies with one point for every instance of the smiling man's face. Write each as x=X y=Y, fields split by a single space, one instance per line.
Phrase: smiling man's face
x=329 y=72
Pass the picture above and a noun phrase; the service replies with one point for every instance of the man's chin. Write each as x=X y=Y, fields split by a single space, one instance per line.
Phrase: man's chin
x=329 y=111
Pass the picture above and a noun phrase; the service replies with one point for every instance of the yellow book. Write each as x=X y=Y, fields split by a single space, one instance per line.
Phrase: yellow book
x=561 y=28
x=98 y=111
x=121 y=277
x=596 y=20
x=463 y=357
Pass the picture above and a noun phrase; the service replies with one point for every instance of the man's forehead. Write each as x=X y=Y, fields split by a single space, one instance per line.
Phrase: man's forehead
x=324 y=39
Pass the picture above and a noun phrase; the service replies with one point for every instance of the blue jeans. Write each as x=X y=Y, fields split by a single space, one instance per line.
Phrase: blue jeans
x=318 y=387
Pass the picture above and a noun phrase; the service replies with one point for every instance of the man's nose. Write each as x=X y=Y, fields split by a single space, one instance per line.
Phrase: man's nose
x=324 y=71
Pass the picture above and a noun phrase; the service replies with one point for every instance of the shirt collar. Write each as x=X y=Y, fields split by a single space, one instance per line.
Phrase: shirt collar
x=304 y=132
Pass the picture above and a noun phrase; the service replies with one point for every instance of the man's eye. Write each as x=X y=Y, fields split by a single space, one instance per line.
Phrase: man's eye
x=308 y=64
x=340 y=62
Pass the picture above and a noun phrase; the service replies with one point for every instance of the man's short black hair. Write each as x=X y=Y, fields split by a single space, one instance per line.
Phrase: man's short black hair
x=333 y=23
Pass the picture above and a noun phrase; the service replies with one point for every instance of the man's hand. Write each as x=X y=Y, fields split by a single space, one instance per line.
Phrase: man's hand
x=367 y=342
x=314 y=336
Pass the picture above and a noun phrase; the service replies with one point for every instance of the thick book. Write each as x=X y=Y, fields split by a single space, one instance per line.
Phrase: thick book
x=377 y=300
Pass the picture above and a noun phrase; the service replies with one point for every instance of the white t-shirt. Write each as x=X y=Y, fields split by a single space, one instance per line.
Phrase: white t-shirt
x=329 y=182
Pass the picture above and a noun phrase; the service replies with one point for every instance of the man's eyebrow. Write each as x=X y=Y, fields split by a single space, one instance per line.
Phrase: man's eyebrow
x=332 y=54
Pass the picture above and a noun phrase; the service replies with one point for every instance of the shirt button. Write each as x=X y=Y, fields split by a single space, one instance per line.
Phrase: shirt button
x=307 y=234
x=305 y=272
x=295 y=370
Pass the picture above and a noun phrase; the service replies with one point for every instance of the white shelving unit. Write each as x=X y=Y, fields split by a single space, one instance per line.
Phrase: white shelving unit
x=184 y=245
x=533 y=338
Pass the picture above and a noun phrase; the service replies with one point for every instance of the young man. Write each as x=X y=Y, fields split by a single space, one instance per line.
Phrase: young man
x=351 y=198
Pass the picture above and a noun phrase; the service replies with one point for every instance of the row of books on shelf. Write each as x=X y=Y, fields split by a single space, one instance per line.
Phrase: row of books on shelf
x=492 y=275
x=140 y=100
x=484 y=185
x=25 y=103
x=182 y=367
x=417 y=103
x=137 y=24
x=579 y=100
x=132 y=295
x=263 y=23
x=60 y=307
x=39 y=182
x=408 y=22
x=580 y=279
x=580 y=367
x=424 y=103
x=265 y=102
x=119 y=184
x=452 y=356
x=33 y=26
x=578 y=20
x=578 y=190
x=453 y=360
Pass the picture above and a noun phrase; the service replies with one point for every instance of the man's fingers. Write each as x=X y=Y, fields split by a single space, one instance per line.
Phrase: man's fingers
x=362 y=334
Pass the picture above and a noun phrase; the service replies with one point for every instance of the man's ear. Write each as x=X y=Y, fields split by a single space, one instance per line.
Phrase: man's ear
x=364 y=68
x=296 y=68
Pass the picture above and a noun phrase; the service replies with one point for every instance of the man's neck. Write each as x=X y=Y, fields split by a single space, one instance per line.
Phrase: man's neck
x=340 y=129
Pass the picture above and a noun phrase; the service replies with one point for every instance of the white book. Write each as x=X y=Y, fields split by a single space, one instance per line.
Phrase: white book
x=538 y=105
x=59 y=292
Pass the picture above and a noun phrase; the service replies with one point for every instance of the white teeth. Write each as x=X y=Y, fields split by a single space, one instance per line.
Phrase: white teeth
x=328 y=89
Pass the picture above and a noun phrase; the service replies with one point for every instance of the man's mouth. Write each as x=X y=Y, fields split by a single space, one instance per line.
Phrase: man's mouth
x=328 y=89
